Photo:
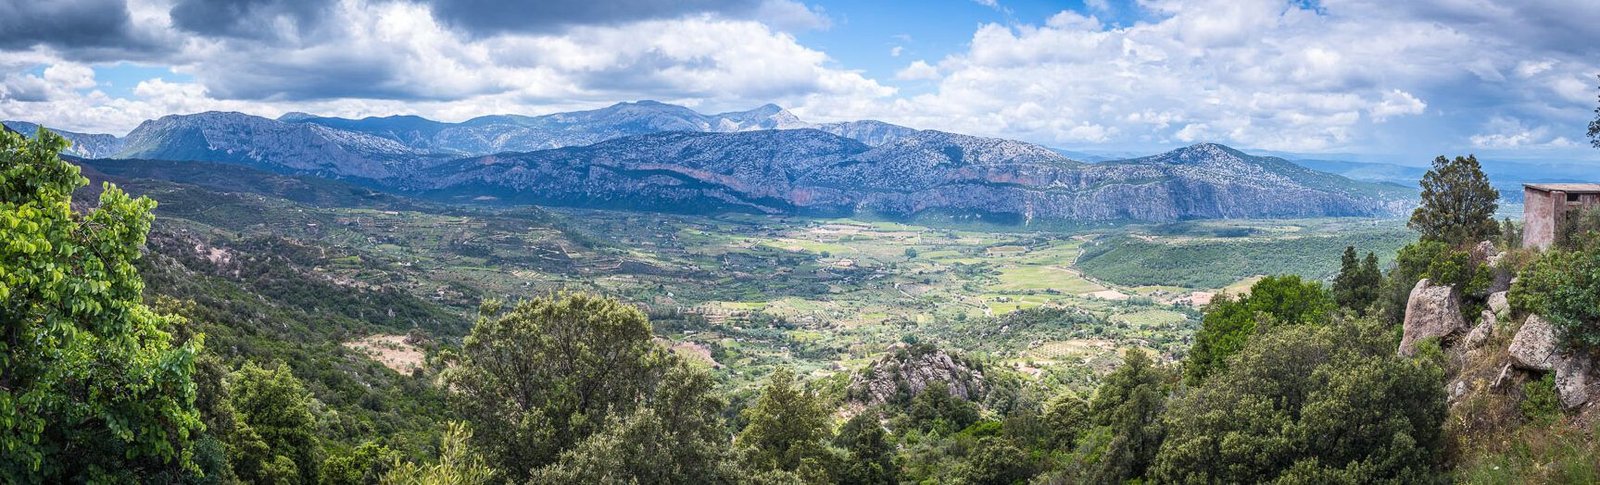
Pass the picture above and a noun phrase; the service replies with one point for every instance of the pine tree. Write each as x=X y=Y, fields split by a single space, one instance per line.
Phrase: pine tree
x=1128 y=407
x=1359 y=281
x=1344 y=284
x=1458 y=203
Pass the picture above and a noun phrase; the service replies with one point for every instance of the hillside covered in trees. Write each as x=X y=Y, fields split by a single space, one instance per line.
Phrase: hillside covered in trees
x=131 y=356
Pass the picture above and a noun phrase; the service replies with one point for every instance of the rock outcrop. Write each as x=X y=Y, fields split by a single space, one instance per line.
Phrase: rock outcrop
x=1498 y=303
x=1575 y=380
x=1481 y=333
x=1431 y=311
x=1534 y=346
x=905 y=372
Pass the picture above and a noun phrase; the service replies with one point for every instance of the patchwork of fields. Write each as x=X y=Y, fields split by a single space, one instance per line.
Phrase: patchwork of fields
x=744 y=293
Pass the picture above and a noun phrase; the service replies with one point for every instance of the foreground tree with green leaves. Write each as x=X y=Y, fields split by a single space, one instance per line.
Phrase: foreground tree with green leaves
x=550 y=372
x=275 y=434
x=787 y=434
x=91 y=387
x=1563 y=286
x=676 y=436
x=1359 y=282
x=1458 y=203
x=1230 y=322
x=1310 y=404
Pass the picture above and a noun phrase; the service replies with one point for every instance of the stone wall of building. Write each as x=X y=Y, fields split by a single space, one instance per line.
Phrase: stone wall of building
x=1539 y=217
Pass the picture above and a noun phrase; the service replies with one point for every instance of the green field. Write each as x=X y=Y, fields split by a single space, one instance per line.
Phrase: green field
x=749 y=292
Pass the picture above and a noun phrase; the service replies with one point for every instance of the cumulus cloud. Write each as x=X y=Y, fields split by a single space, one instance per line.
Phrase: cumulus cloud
x=1257 y=73
x=362 y=57
x=1506 y=132
x=1274 y=74
x=1397 y=103
x=257 y=19
x=917 y=70
x=490 y=17
x=86 y=29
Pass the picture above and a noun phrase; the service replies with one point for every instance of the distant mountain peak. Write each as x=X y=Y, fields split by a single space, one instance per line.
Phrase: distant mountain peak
x=297 y=116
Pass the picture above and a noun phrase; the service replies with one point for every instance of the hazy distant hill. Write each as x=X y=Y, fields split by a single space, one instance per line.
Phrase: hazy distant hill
x=87 y=145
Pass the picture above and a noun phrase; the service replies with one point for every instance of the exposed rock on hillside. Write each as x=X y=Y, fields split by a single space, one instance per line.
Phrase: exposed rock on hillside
x=809 y=171
x=1534 y=346
x=906 y=371
x=1431 y=311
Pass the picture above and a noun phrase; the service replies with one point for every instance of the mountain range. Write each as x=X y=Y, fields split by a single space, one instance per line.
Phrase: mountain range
x=655 y=156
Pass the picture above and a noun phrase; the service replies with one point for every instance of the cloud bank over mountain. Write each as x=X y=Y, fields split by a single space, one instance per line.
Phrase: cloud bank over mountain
x=1330 y=76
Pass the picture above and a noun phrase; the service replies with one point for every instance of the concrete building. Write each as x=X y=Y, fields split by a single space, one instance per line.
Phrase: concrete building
x=1545 y=205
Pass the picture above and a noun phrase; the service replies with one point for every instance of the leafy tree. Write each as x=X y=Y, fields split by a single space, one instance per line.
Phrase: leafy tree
x=995 y=461
x=275 y=440
x=365 y=464
x=1563 y=286
x=937 y=408
x=1310 y=404
x=786 y=431
x=870 y=457
x=677 y=437
x=1594 y=129
x=1510 y=234
x=1458 y=203
x=550 y=372
x=91 y=387
x=1229 y=323
x=1358 y=283
x=1127 y=410
x=1067 y=416
x=457 y=465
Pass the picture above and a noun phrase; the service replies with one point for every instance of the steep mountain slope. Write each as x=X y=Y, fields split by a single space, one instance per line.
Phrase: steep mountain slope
x=871 y=132
x=1213 y=181
x=515 y=133
x=87 y=145
x=270 y=144
x=810 y=171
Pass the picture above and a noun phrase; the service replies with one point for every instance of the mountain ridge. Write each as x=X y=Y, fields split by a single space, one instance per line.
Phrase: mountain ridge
x=649 y=155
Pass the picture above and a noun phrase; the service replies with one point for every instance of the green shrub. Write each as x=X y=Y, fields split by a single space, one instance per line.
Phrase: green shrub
x=1540 y=405
x=1563 y=287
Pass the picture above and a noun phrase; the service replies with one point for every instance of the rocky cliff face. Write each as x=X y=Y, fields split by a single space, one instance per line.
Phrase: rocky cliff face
x=810 y=171
x=655 y=156
x=514 y=133
x=902 y=374
x=270 y=144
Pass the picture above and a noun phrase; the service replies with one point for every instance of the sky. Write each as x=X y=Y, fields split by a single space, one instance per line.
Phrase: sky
x=1366 y=79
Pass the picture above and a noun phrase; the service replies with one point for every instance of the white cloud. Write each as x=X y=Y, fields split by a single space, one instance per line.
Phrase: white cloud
x=1397 y=103
x=1255 y=73
x=1504 y=132
x=381 y=58
x=916 y=71
x=1348 y=75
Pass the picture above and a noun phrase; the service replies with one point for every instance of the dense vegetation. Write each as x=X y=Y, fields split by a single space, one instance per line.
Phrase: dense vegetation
x=1290 y=381
x=1216 y=263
